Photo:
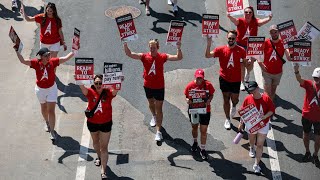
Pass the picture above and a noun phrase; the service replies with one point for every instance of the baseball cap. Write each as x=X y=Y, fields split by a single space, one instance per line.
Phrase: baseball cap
x=199 y=73
x=273 y=27
x=316 y=72
x=43 y=51
x=252 y=85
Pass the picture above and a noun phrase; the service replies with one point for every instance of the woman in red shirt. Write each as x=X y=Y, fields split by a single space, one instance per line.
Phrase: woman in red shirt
x=100 y=124
x=51 y=35
x=248 y=26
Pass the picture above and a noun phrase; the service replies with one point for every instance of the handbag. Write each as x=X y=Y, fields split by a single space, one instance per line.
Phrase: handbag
x=274 y=48
x=90 y=113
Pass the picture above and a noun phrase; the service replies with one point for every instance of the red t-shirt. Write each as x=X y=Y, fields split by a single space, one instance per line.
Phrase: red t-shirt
x=230 y=60
x=311 y=109
x=271 y=60
x=153 y=70
x=264 y=102
x=204 y=86
x=103 y=113
x=49 y=33
x=243 y=28
x=45 y=75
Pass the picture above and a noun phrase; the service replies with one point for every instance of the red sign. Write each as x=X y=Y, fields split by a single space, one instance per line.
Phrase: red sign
x=84 y=69
x=302 y=52
x=210 y=24
x=126 y=28
x=255 y=47
x=199 y=101
x=252 y=118
x=15 y=39
x=264 y=7
x=175 y=32
x=235 y=7
x=287 y=32
x=76 y=39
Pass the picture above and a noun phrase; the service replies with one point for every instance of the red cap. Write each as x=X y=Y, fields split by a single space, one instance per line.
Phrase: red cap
x=199 y=73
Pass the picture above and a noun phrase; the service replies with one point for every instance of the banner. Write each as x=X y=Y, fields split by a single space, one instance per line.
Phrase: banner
x=308 y=32
x=236 y=7
x=76 y=40
x=252 y=118
x=264 y=7
x=15 y=39
x=175 y=32
x=112 y=75
x=84 y=69
x=287 y=32
x=126 y=28
x=302 y=52
x=210 y=25
x=255 y=47
x=199 y=101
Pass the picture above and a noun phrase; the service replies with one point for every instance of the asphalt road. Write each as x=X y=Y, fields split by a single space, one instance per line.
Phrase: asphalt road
x=26 y=151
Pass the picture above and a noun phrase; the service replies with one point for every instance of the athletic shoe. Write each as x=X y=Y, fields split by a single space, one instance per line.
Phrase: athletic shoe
x=141 y=2
x=247 y=77
x=233 y=111
x=252 y=152
x=227 y=124
x=147 y=12
x=14 y=5
x=153 y=122
x=194 y=147
x=242 y=88
x=203 y=154
x=53 y=136
x=316 y=161
x=46 y=127
x=256 y=169
x=175 y=10
x=158 y=136
x=170 y=2
x=306 y=157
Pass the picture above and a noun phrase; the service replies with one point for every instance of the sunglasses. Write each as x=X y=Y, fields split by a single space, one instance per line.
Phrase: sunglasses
x=97 y=83
x=230 y=38
x=248 y=12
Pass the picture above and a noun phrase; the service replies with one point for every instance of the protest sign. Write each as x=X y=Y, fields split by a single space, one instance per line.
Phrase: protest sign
x=126 y=28
x=199 y=101
x=84 y=69
x=264 y=7
x=210 y=25
x=252 y=118
x=236 y=7
x=175 y=32
x=287 y=32
x=76 y=40
x=302 y=52
x=112 y=75
x=15 y=39
x=255 y=47
x=308 y=32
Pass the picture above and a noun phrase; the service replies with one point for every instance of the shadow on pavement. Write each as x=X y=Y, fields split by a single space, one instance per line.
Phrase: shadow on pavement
x=279 y=102
x=290 y=128
x=7 y=14
x=112 y=175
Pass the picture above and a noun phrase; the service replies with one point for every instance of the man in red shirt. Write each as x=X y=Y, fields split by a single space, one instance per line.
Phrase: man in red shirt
x=153 y=75
x=310 y=112
x=232 y=70
x=200 y=84
x=271 y=66
x=46 y=88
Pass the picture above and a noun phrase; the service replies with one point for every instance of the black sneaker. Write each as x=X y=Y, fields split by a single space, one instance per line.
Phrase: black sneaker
x=194 y=147
x=306 y=157
x=316 y=161
x=203 y=154
x=14 y=6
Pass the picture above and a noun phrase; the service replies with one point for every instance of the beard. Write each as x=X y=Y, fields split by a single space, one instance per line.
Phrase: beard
x=231 y=43
x=275 y=38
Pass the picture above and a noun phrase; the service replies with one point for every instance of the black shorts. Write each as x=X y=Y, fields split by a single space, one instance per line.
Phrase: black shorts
x=105 y=127
x=204 y=118
x=233 y=87
x=157 y=94
x=306 y=124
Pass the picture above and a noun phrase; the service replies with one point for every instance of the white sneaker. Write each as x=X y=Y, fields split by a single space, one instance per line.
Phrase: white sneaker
x=141 y=2
x=233 y=111
x=158 y=136
x=175 y=8
x=242 y=88
x=256 y=169
x=153 y=122
x=247 y=77
x=46 y=127
x=252 y=152
x=227 y=124
x=53 y=136
x=169 y=2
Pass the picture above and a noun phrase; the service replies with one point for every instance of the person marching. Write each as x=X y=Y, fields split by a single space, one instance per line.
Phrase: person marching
x=266 y=109
x=46 y=88
x=100 y=124
x=272 y=64
x=153 y=75
x=51 y=35
x=200 y=84
x=247 y=26
x=231 y=58
x=310 y=113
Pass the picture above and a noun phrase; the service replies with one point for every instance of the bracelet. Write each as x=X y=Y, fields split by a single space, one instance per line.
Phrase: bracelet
x=296 y=72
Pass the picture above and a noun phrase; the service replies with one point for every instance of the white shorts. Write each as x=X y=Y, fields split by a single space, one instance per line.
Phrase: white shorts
x=47 y=94
x=263 y=130
x=52 y=47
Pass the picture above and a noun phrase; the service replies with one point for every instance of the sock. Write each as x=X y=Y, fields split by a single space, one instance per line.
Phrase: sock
x=202 y=146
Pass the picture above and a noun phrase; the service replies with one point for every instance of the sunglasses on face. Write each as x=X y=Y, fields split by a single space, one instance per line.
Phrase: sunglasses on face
x=231 y=38
x=97 y=83
x=248 y=12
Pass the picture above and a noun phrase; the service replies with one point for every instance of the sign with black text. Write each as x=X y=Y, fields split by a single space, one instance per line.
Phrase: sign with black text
x=15 y=39
x=255 y=47
x=112 y=75
x=126 y=28
x=287 y=32
x=175 y=32
x=302 y=52
x=252 y=118
x=84 y=69
x=308 y=32
x=199 y=101
x=264 y=7
x=210 y=25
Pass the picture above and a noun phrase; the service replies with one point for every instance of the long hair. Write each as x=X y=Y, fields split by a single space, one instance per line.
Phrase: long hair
x=55 y=15
x=251 y=8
